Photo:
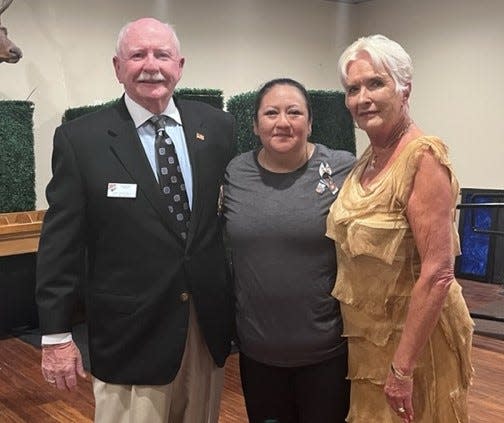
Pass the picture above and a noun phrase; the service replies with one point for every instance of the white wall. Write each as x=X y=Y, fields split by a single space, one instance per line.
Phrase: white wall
x=458 y=84
x=235 y=45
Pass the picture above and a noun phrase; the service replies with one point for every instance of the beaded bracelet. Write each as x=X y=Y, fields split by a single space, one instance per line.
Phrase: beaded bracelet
x=398 y=374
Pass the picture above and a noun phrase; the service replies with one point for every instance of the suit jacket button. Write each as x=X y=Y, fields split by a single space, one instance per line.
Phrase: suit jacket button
x=184 y=296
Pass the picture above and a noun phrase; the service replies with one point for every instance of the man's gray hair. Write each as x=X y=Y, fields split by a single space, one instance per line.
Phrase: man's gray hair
x=125 y=28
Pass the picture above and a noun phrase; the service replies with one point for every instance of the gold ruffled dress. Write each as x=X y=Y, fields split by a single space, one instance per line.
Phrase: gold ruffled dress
x=378 y=264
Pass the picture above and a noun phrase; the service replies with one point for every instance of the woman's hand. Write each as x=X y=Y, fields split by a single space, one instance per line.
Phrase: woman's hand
x=399 y=396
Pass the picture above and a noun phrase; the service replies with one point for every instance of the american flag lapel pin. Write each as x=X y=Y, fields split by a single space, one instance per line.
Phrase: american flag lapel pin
x=200 y=137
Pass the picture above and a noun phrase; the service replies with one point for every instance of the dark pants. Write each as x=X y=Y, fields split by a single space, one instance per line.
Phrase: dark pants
x=318 y=393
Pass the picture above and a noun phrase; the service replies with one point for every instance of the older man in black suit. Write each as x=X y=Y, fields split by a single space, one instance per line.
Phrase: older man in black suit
x=158 y=298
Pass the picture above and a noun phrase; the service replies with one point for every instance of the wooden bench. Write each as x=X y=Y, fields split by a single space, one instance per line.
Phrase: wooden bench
x=20 y=232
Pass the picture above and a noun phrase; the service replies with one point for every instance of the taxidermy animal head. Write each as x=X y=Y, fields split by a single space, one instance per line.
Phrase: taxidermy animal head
x=9 y=52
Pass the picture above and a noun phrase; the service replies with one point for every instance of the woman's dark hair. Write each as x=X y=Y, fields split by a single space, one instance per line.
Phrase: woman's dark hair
x=281 y=81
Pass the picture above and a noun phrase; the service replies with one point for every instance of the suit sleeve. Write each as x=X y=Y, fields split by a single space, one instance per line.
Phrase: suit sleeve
x=60 y=259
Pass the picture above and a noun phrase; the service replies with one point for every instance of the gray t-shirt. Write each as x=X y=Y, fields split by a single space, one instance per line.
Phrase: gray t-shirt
x=284 y=266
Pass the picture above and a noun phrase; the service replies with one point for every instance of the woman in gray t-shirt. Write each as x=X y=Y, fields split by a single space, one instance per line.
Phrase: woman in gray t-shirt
x=276 y=200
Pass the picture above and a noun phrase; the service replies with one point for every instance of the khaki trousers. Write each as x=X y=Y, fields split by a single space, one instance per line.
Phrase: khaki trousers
x=192 y=397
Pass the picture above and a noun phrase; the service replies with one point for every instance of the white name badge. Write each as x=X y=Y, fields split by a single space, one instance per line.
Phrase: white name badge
x=116 y=190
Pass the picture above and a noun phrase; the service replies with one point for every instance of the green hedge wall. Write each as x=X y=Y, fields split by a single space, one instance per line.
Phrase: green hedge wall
x=17 y=162
x=241 y=106
x=332 y=126
x=76 y=112
x=213 y=97
x=332 y=122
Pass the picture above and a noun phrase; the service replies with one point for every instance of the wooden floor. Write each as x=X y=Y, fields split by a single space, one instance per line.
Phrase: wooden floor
x=25 y=397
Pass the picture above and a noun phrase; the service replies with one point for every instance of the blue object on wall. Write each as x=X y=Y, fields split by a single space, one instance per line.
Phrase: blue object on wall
x=475 y=246
x=480 y=251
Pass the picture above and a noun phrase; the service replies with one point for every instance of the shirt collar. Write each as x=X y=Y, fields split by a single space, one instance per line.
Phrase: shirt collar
x=140 y=115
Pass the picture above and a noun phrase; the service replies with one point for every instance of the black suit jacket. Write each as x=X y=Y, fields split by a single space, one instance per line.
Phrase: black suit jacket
x=137 y=266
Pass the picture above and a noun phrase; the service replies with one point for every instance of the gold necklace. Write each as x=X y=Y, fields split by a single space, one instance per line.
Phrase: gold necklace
x=400 y=129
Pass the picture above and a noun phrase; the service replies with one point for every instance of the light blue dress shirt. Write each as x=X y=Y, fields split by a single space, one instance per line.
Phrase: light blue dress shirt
x=173 y=128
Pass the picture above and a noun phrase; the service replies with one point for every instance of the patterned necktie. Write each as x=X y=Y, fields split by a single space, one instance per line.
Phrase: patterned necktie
x=170 y=176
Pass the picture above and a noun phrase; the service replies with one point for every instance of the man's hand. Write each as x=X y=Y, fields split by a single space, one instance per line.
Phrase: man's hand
x=60 y=363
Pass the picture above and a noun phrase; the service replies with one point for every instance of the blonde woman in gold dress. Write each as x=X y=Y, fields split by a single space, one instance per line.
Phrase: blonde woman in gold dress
x=408 y=328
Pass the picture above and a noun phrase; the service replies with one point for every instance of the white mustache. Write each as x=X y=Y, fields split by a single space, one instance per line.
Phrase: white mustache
x=150 y=77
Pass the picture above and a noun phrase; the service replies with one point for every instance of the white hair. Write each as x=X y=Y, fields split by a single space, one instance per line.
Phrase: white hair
x=125 y=28
x=383 y=52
